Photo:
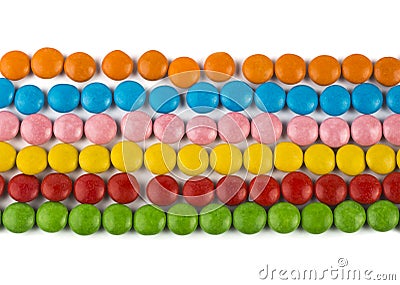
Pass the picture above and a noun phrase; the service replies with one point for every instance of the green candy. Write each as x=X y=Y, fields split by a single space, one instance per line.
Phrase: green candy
x=84 y=219
x=117 y=219
x=383 y=216
x=284 y=218
x=215 y=219
x=182 y=219
x=349 y=216
x=149 y=220
x=19 y=217
x=316 y=218
x=52 y=217
x=0 y=217
x=249 y=218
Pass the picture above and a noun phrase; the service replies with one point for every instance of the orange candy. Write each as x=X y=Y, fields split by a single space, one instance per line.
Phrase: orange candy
x=357 y=68
x=258 y=68
x=152 y=65
x=219 y=66
x=47 y=63
x=184 y=72
x=290 y=69
x=387 y=71
x=117 y=65
x=324 y=70
x=79 y=66
x=15 y=65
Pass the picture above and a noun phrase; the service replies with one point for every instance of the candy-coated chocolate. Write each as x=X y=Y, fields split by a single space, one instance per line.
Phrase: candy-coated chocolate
x=270 y=97
x=63 y=158
x=258 y=68
x=18 y=218
x=117 y=65
x=162 y=190
x=258 y=158
x=335 y=100
x=94 y=159
x=391 y=129
x=201 y=130
x=6 y=92
x=365 y=189
x=283 y=218
x=288 y=157
x=169 y=128
x=29 y=99
x=129 y=95
x=330 y=189
x=366 y=130
x=56 y=187
x=302 y=130
x=2 y=184
x=387 y=71
x=182 y=219
x=100 y=129
x=249 y=218
x=79 y=67
x=152 y=65
x=236 y=96
x=117 y=219
x=89 y=189
x=136 y=126
x=297 y=188
x=123 y=188
x=63 y=98
x=183 y=72
x=198 y=191
x=160 y=158
x=231 y=190
x=96 y=97
x=7 y=156
x=215 y=219
x=366 y=98
x=36 y=129
x=219 y=66
x=383 y=216
x=23 y=188
x=47 y=63
x=233 y=127
x=52 y=217
x=126 y=156
x=316 y=218
x=391 y=187
x=31 y=160
x=84 y=219
x=149 y=220
x=290 y=68
x=334 y=132
x=393 y=99
x=9 y=126
x=319 y=159
x=164 y=99
x=349 y=216
x=381 y=159
x=68 y=128
x=192 y=159
x=357 y=68
x=202 y=97
x=225 y=159
x=324 y=70
x=350 y=159
x=266 y=128
x=302 y=100
x=264 y=190
x=15 y=65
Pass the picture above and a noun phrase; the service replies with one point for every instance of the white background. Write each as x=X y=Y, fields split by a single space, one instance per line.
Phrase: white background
x=196 y=29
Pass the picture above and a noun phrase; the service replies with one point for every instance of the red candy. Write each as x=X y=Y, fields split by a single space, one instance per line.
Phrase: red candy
x=198 y=191
x=231 y=190
x=56 y=187
x=330 y=189
x=365 y=189
x=123 y=188
x=89 y=189
x=391 y=187
x=162 y=190
x=297 y=188
x=2 y=184
x=264 y=190
x=23 y=188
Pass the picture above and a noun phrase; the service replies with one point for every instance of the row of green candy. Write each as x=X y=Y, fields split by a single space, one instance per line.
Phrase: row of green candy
x=183 y=219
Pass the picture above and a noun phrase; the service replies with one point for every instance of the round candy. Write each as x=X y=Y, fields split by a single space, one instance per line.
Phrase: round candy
x=198 y=191
x=231 y=190
x=152 y=65
x=192 y=159
x=383 y=216
x=36 y=129
x=129 y=96
x=233 y=128
x=162 y=190
x=94 y=159
x=96 y=97
x=79 y=66
x=349 y=216
x=297 y=188
x=202 y=97
x=127 y=156
x=160 y=158
x=47 y=63
x=2 y=184
x=350 y=159
x=264 y=190
x=29 y=99
x=63 y=158
x=84 y=219
x=324 y=70
x=288 y=157
x=365 y=189
x=316 y=218
x=236 y=96
x=7 y=156
x=334 y=132
x=302 y=100
x=257 y=158
x=270 y=97
x=266 y=128
x=23 y=188
x=290 y=69
x=136 y=126
x=366 y=130
x=283 y=218
x=201 y=130
x=169 y=128
x=258 y=68
x=182 y=219
x=52 y=217
x=393 y=99
x=215 y=219
x=302 y=130
x=63 y=98
x=357 y=68
x=391 y=129
x=387 y=71
x=123 y=188
x=100 y=129
x=117 y=219
x=68 y=128
x=149 y=220
x=319 y=159
x=335 y=100
x=184 y=72
x=164 y=99
x=31 y=160
x=366 y=98
x=56 y=187
x=381 y=159
x=6 y=92
x=391 y=187
x=9 y=126
x=15 y=65
x=225 y=159
x=89 y=189
x=330 y=189
x=249 y=218
x=219 y=66
x=18 y=217
x=117 y=65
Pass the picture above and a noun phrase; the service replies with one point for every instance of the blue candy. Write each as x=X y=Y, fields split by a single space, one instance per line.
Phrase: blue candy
x=96 y=98
x=236 y=96
x=29 y=99
x=202 y=97
x=270 y=97
x=335 y=100
x=393 y=99
x=164 y=99
x=129 y=95
x=367 y=98
x=6 y=92
x=302 y=100
x=63 y=98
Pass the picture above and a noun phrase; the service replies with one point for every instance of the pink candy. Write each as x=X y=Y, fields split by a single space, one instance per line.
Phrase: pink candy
x=302 y=130
x=366 y=130
x=201 y=130
x=391 y=129
x=136 y=126
x=233 y=127
x=169 y=128
x=266 y=128
x=68 y=128
x=9 y=126
x=100 y=129
x=36 y=129
x=334 y=132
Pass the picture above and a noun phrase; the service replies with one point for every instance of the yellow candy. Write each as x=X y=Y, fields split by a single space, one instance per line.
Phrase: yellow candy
x=94 y=159
x=192 y=159
x=226 y=159
x=7 y=156
x=63 y=158
x=350 y=159
x=160 y=158
x=319 y=159
x=381 y=159
x=127 y=156
x=257 y=158
x=288 y=157
x=32 y=160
